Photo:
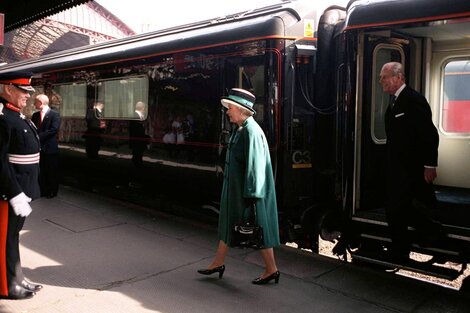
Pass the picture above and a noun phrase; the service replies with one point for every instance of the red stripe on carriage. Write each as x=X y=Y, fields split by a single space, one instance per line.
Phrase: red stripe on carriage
x=3 y=247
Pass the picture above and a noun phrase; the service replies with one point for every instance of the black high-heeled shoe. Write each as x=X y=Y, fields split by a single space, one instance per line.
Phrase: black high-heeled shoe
x=264 y=281
x=218 y=269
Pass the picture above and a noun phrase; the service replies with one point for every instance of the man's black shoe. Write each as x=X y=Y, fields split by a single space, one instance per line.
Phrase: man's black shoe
x=395 y=259
x=30 y=286
x=432 y=239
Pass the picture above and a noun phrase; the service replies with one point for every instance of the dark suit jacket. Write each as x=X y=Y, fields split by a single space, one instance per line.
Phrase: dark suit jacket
x=137 y=133
x=47 y=131
x=92 y=121
x=412 y=143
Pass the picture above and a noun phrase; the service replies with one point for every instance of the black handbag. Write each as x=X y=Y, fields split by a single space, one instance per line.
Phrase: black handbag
x=248 y=234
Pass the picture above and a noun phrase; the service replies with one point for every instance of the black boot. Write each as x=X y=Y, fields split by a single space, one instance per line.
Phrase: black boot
x=30 y=286
x=18 y=292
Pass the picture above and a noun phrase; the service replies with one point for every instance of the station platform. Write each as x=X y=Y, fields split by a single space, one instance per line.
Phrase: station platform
x=98 y=255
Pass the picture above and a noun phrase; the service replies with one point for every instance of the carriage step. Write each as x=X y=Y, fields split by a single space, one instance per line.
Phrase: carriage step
x=411 y=265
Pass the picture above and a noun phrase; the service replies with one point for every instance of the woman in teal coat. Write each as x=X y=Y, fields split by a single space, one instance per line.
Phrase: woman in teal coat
x=248 y=180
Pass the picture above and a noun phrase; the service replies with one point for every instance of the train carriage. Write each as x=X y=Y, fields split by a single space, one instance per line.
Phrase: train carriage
x=318 y=101
x=180 y=74
x=431 y=39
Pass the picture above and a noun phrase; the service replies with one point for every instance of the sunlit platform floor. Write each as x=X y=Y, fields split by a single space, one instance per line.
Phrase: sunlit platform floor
x=94 y=254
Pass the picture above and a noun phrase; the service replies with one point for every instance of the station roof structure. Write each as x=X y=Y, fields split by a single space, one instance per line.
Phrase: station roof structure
x=21 y=12
x=35 y=28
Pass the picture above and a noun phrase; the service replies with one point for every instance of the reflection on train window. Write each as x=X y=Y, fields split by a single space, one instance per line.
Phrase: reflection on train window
x=383 y=53
x=455 y=107
x=185 y=88
x=251 y=78
x=251 y=72
x=121 y=96
x=70 y=99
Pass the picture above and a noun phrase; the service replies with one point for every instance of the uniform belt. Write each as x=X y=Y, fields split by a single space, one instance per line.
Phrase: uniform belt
x=24 y=158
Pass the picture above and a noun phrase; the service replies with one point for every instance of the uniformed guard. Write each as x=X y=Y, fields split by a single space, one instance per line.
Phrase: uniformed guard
x=19 y=170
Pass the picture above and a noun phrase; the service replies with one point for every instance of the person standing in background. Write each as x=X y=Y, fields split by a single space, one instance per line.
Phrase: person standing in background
x=248 y=73
x=19 y=173
x=138 y=140
x=47 y=122
x=95 y=128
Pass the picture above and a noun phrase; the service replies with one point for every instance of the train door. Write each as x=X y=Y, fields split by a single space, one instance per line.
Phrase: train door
x=445 y=85
x=369 y=201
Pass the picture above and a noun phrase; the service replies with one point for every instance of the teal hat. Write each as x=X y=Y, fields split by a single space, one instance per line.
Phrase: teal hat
x=241 y=98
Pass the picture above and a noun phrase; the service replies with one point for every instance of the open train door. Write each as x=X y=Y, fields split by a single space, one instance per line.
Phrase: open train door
x=436 y=61
x=370 y=155
x=370 y=158
x=431 y=40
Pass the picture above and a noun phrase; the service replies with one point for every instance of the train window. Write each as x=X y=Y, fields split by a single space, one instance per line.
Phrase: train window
x=70 y=99
x=251 y=71
x=455 y=105
x=185 y=87
x=251 y=78
x=123 y=96
x=383 y=53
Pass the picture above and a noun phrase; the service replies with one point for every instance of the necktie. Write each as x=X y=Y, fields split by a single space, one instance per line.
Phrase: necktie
x=40 y=119
x=392 y=101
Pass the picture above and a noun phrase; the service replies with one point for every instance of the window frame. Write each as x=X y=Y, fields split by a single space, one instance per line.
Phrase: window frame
x=61 y=106
x=103 y=99
x=444 y=132
x=375 y=82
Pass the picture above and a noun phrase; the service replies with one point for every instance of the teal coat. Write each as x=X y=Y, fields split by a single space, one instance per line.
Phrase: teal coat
x=248 y=174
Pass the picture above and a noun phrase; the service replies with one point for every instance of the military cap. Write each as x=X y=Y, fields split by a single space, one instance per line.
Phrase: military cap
x=20 y=79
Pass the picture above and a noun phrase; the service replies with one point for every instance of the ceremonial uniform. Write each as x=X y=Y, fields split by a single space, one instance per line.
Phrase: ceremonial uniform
x=19 y=171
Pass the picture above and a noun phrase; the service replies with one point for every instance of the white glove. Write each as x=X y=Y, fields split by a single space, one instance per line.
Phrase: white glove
x=20 y=204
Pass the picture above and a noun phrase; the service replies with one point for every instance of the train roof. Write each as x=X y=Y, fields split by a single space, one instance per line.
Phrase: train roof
x=267 y=22
x=370 y=13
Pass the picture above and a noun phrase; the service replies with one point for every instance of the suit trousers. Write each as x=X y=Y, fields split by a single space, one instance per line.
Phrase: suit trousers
x=49 y=174
x=411 y=209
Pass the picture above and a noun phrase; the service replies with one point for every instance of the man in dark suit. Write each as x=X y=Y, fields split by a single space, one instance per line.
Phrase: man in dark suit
x=412 y=143
x=247 y=74
x=47 y=122
x=95 y=128
x=137 y=137
x=19 y=171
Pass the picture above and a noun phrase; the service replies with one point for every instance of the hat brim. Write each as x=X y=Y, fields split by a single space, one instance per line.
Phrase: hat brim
x=25 y=88
x=226 y=101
